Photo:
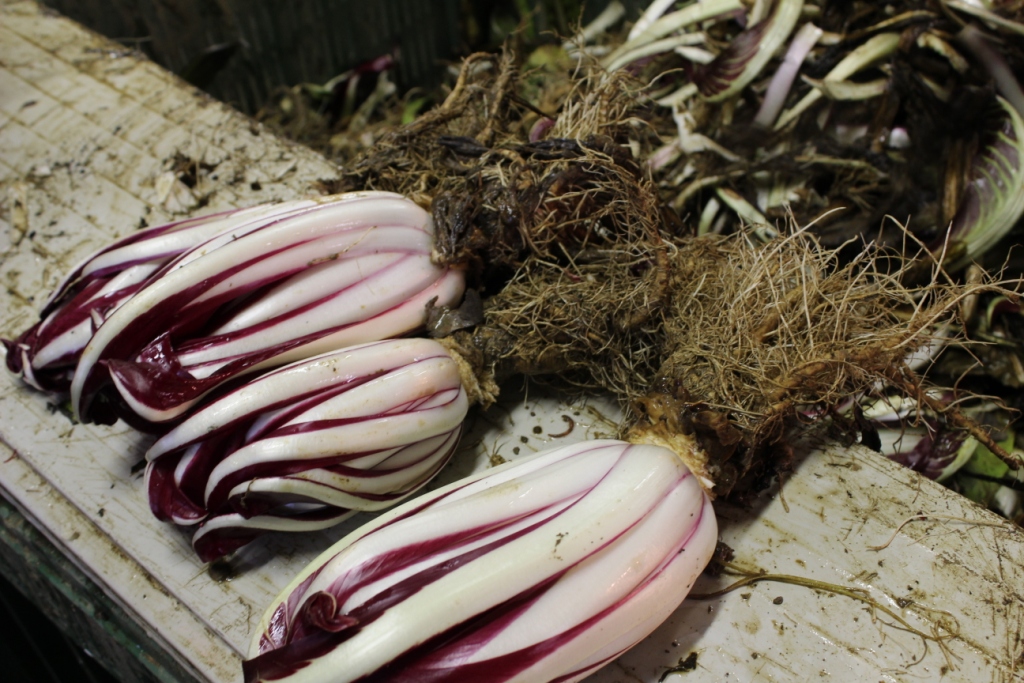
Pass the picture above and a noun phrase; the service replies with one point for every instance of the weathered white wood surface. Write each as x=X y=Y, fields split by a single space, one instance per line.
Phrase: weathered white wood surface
x=95 y=142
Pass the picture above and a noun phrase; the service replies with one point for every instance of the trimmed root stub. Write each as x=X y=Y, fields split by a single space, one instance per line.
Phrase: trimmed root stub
x=724 y=349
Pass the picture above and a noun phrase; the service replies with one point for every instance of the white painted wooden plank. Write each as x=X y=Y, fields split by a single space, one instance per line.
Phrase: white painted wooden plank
x=82 y=195
x=128 y=583
x=103 y=150
x=107 y=124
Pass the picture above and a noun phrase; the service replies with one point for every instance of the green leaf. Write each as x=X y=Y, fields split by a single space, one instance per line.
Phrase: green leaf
x=987 y=464
x=992 y=202
x=412 y=109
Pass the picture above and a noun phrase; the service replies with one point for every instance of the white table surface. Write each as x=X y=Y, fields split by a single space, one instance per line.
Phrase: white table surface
x=94 y=141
